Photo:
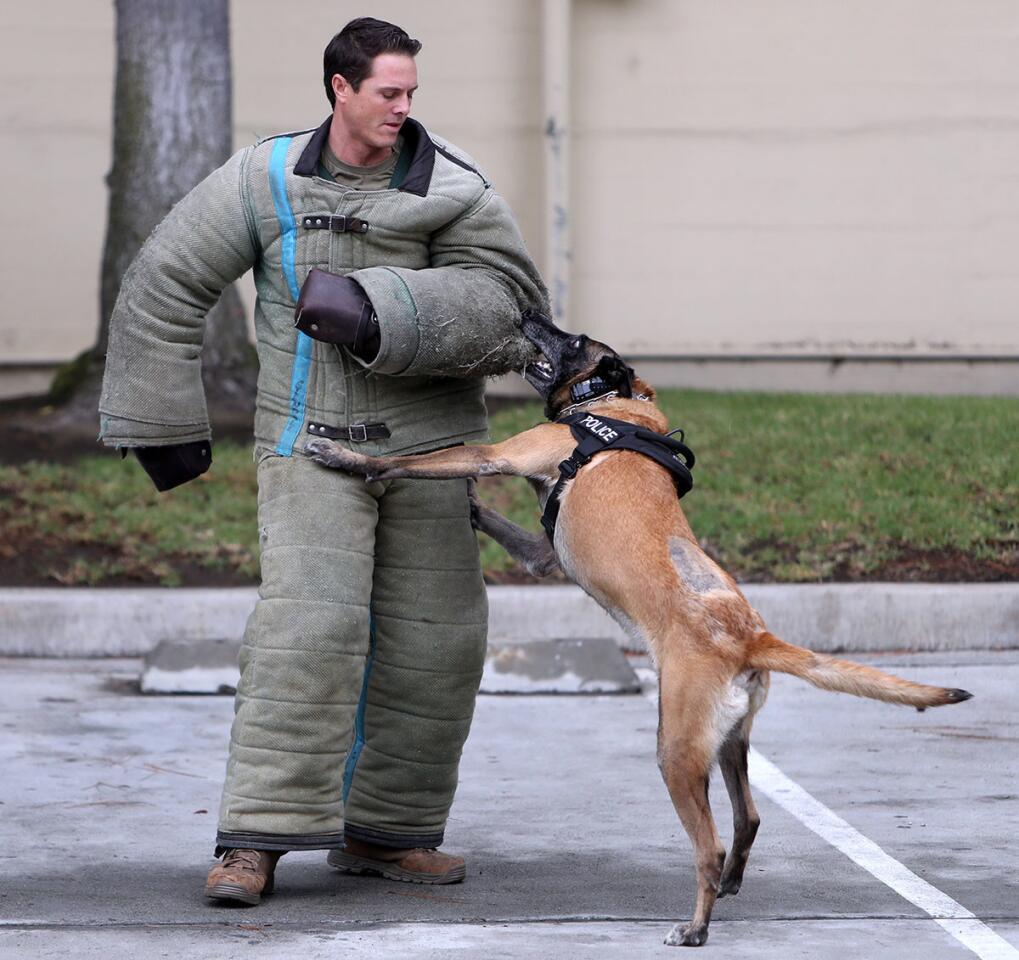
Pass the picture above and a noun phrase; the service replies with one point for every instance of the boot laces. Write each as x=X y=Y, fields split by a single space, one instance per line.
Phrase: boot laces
x=243 y=860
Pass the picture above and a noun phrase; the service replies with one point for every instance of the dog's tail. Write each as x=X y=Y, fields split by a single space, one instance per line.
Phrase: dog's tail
x=768 y=652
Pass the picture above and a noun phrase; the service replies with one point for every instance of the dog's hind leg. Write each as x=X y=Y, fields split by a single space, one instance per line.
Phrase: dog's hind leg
x=733 y=760
x=745 y=819
x=687 y=743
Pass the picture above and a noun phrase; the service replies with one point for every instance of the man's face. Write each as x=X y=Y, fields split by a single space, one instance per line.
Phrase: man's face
x=374 y=114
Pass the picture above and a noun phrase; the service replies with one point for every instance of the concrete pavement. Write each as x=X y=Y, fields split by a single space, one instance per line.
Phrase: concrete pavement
x=109 y=799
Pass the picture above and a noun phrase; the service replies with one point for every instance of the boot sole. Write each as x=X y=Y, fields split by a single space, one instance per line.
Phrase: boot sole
x=346 y=863
x=234 y=892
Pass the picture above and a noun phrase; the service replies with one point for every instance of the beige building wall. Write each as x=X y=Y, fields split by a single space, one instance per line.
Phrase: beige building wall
x=799 y=176
x=749 y=178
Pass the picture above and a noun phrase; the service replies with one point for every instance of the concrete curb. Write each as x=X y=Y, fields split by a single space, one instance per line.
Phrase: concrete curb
x=72 y=622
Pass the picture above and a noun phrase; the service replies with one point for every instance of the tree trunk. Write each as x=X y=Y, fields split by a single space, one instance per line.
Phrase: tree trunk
x=172 y=126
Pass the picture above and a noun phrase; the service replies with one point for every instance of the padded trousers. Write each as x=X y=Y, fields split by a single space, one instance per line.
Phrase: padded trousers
x=360 y=663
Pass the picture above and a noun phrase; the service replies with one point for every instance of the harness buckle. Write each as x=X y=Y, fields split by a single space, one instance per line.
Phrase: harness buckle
x=355 y=436
x=568 y=468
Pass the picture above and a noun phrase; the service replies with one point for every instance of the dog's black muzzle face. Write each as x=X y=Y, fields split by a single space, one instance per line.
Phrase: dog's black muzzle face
x=567 y=359
x=561 y=354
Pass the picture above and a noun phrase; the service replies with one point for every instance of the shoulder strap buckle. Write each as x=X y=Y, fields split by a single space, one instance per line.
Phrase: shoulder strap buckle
x=335 y=222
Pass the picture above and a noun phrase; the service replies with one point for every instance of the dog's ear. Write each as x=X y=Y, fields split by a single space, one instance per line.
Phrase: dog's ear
x=616 y=374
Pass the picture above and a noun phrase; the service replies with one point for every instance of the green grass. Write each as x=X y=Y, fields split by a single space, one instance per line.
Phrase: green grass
x=99 y=520
x=789 y=487
x=799 y=487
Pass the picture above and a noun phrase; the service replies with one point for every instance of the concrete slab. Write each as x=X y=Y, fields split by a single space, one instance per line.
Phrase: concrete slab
x=573 y=848
x=192 y=666
x=71 y=622
x=563 y=666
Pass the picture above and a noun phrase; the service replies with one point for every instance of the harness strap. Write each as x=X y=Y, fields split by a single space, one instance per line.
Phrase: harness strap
x=595 y=434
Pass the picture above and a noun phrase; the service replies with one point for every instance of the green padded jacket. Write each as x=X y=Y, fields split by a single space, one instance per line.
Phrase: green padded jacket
x=438 y=254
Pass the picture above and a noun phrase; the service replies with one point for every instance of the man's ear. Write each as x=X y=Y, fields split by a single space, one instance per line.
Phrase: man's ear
x=341 y=89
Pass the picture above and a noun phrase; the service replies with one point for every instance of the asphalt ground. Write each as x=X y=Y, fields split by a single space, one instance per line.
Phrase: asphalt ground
x=109 y=801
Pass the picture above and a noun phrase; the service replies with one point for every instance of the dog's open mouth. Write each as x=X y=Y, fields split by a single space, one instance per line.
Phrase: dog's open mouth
x=540 y=370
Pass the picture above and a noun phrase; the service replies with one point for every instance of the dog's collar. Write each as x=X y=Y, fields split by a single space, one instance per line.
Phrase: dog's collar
x=574 y=407
x=611 y=395
x=588 y=389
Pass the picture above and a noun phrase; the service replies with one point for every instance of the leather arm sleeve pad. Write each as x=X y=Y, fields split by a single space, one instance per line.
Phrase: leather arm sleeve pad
x=336 y=310
x=169 y=467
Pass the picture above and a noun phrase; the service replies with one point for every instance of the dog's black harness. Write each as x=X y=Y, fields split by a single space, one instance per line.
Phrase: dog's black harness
x=595 y=434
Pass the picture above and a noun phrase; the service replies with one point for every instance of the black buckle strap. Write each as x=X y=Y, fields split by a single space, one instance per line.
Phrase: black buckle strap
x=567 y=471
x=338 y=223
x=677 y=447
x=595 y=433
x=355 y=432
x=568 y=468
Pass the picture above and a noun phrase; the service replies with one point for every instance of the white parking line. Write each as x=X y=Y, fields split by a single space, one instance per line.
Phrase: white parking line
x=952 y=916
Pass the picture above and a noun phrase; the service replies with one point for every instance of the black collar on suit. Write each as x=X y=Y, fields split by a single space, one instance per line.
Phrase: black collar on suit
x=415 y=140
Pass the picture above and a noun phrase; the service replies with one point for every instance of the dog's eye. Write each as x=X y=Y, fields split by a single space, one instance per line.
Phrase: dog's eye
x=575 y=343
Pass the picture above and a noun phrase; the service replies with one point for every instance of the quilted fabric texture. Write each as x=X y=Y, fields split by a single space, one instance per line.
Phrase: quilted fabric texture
x=447 y=273
x=403 y=555
x=362 y=659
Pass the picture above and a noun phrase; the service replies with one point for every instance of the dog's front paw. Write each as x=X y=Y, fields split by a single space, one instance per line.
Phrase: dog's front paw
x=687 y=935
x=331 y=454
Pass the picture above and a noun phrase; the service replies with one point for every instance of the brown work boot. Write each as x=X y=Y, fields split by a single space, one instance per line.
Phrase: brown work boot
x=414 y=865
x=243 y=876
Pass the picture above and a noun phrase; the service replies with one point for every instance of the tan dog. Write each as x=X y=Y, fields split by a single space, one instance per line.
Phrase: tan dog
x=622 y=536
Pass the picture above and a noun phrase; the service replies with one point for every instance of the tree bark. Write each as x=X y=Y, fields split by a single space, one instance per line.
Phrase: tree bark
x=172 y=126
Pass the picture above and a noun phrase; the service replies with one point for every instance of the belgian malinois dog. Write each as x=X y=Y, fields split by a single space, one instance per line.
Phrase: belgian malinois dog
x=622 y=536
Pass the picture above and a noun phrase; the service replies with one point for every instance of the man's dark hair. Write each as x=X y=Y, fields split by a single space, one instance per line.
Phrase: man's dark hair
x=351 y=52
